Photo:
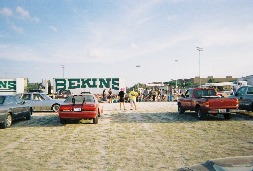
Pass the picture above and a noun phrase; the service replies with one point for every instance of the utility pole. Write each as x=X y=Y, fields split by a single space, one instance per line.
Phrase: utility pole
x=199 y=49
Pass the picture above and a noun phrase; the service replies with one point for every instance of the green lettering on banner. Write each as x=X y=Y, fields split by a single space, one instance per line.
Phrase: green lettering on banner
x=74 y=83
x=3 y=84
x=12 y=85
x=115 y=83
x=60 y=84
x=86 y=82
x=104 y=83
x=94 y=83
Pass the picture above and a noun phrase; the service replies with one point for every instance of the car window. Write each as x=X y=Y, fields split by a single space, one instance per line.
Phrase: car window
x=241 y=91
x=10 y=100
x=45 y=97
x=2 y=98
x=187 y=93
x=37 y=97
x=202 y=93
x=17 y=99
x=250 y=90
x=26 y=97
x=80 y=98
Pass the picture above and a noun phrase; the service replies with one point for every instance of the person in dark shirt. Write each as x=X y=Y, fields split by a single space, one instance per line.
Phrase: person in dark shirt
x=122 y=98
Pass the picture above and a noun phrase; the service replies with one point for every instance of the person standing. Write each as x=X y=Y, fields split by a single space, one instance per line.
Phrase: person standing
x=132 y=96
x=122 y=98
x=110 y=95
x=104 y=95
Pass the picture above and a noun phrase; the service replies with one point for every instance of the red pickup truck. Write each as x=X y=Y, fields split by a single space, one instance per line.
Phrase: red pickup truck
x=206 y=102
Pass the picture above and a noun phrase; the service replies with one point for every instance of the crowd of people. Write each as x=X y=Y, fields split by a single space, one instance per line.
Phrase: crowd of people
x=143 y=95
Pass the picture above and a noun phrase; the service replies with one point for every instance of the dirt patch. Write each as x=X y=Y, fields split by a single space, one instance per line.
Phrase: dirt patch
x=153 y=137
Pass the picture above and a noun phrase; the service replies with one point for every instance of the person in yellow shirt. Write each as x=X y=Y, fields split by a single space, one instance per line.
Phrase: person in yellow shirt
x=132 y=96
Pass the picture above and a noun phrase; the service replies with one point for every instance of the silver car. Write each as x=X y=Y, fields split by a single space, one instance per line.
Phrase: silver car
x=41 y=101
x=12 y=108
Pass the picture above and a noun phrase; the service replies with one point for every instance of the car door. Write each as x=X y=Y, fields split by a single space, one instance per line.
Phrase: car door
x=248 y=98
x=39 y=103
x=187 y=100
x=240 y=95
x=21 y=105
x=13 y=106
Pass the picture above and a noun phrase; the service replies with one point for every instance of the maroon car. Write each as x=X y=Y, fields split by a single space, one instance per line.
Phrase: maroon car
x=78 y=107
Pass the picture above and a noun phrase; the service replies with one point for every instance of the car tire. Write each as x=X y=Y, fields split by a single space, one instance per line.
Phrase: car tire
x=56 y=107
x=180 y=109
x=201 y=115
x=95 y=120
x=29 y=115
x=227 y=115
x=7 y=121
x=63 y=121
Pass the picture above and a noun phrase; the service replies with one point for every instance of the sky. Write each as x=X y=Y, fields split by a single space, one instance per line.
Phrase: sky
x=45 y=39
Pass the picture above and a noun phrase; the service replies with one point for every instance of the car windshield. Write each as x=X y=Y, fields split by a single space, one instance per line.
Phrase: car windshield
x=79 y=99
x=2 y=98
x=46 y=97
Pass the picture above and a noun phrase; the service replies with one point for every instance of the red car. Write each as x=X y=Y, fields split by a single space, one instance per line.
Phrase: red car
x=77 y=107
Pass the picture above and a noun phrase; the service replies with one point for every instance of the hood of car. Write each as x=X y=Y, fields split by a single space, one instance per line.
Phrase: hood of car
x=242 y=163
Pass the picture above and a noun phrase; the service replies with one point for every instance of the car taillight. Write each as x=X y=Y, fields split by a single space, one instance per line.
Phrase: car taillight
x=89 y=107
x=237 y=102
x=65 y=108
x=207 y=104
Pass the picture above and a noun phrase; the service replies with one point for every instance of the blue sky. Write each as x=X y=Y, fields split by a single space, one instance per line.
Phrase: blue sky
x=108 y=38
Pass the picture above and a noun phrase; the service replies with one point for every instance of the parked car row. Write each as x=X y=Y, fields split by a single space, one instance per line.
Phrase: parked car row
x=75 y=107
x=205 y=101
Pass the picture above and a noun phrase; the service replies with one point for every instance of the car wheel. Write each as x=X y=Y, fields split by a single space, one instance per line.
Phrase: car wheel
x=227 y=116
x=28 y=115
x=56 y=107
x=7 y=122
x=95 y=120
x=63 y=121
x=201 y=115
x=180 y=109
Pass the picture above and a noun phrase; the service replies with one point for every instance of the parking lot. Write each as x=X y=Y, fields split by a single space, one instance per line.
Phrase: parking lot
x=153 y=137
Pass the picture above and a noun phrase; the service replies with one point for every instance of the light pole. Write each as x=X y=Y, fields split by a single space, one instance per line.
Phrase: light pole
x=176 y=78
x=199 y=49
x=62 y=70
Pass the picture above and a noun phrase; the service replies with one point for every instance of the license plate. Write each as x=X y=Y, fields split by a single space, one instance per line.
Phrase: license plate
x=222 y=110
x=77 y=109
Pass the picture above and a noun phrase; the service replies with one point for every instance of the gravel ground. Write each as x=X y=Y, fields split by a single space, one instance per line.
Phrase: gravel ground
x=153 y=137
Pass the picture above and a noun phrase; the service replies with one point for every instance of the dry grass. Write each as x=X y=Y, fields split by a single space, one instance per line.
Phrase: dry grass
x=154 y=137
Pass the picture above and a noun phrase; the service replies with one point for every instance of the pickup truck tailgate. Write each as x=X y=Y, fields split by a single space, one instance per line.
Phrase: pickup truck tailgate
x=223 y=103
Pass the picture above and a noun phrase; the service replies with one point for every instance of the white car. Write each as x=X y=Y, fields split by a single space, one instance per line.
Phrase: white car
x=41 y=101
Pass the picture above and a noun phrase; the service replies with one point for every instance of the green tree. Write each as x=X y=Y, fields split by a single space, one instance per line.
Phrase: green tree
x=211 y=80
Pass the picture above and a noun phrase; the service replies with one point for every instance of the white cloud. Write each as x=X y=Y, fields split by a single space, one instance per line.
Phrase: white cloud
x=19 y=53
x=6 y=12
x=22 y=12
x=52 y=28
x=17 y=29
